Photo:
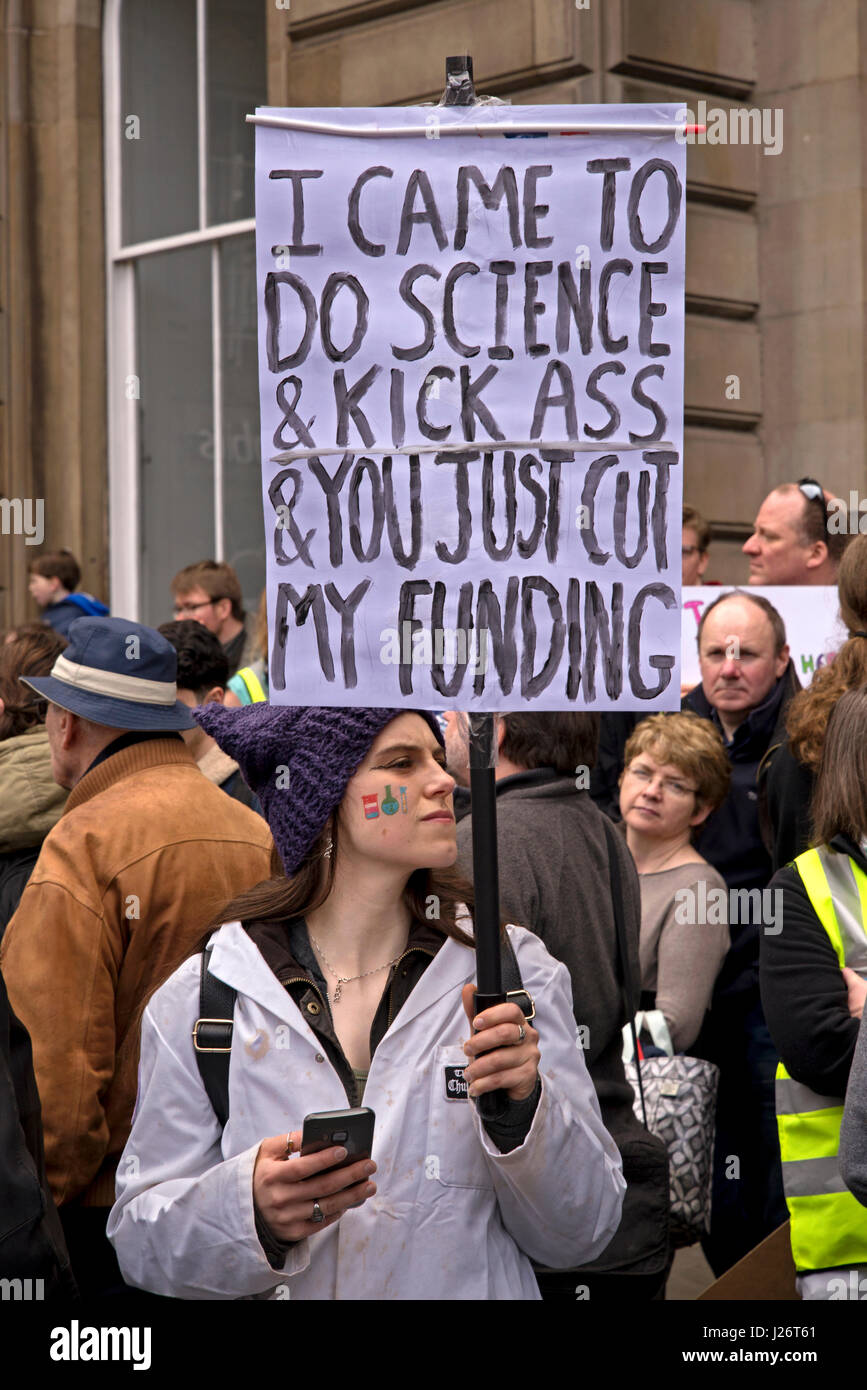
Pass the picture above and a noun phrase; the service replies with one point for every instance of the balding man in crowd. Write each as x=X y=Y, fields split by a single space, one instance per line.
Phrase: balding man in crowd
x=791 y=542
x=747 y=681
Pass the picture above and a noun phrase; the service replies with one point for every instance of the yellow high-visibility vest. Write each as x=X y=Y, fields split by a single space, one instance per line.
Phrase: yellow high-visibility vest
x=252 y=684
x=828 y=1224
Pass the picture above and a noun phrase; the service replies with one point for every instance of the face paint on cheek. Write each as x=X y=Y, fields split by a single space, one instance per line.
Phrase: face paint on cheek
x=390 y=804
x=370 y=805
x=403 y=798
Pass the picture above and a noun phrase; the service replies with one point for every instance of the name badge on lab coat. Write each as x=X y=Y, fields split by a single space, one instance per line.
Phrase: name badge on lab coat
x=456 y=1087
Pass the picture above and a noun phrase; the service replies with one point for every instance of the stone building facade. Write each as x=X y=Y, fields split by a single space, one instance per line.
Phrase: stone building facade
x=775 y=239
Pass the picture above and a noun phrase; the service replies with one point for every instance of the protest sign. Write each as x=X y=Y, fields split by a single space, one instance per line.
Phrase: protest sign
x=471 y=373
x=811 y=615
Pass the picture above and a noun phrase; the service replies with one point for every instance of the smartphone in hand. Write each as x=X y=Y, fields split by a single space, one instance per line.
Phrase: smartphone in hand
x=350 y=1129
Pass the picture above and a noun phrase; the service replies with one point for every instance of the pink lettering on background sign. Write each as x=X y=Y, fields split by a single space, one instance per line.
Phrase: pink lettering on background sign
x=696 y=604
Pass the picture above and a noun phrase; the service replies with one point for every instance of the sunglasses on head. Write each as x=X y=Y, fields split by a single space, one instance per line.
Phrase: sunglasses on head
x=814 y=492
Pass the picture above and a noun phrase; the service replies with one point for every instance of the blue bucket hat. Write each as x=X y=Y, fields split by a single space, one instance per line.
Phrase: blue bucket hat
x=118 y=673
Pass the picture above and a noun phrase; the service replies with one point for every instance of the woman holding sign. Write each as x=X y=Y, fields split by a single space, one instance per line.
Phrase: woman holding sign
x=351 y=983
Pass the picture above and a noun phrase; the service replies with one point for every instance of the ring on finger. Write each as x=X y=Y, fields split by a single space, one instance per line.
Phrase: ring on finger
x=290 y=1146
x=318 y=1213
x=522 y=1033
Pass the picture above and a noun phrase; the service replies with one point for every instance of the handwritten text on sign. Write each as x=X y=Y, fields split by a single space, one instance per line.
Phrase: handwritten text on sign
x=471 y=366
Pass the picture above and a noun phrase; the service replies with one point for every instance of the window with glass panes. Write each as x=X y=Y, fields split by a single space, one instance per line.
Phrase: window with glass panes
x=184 y=465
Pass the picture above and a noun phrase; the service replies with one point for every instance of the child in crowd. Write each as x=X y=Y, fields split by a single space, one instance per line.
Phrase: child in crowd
x=53 y=581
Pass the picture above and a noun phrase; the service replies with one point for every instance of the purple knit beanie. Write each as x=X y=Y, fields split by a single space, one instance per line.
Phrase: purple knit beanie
x=298 y=760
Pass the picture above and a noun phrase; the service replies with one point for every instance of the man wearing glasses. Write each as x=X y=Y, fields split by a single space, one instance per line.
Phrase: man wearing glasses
x=791 y=543
x=209 y=593
x=695 y=546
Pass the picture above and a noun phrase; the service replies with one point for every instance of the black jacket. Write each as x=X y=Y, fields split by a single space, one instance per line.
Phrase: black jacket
x=32 y=1246
x=553 y=871
x=785 y=798
x=731 y=839
x=615 y=727
x=553 y=855
x=15 y=869
x=803 y=993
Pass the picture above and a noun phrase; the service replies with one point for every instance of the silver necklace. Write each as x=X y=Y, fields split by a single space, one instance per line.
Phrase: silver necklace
x=347 y=979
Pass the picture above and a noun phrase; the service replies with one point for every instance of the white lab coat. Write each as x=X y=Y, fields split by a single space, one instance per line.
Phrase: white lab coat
x=452 y=1217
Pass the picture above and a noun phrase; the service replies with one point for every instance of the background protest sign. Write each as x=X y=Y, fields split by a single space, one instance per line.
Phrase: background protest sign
x=810 y=613
x=471 y=374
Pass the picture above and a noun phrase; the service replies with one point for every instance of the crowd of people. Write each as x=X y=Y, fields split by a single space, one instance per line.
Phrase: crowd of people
x=172 y=844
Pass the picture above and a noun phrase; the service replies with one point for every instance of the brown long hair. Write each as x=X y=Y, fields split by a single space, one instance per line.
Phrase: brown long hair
x=262 y=627
x=29 y=654
x=286 y=896
x=840 y=799
x=811 y=709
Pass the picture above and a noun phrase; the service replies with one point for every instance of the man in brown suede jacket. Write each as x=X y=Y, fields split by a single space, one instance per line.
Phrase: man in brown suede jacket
x=144 y=855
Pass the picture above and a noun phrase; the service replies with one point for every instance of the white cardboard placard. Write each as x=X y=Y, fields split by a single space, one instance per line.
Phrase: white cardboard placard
x=471 y=375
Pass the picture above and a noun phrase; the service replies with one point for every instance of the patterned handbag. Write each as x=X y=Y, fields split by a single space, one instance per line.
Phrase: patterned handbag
x=675 y=1097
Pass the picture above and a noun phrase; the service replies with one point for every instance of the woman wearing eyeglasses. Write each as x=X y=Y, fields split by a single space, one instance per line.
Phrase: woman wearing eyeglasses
x=675 y=774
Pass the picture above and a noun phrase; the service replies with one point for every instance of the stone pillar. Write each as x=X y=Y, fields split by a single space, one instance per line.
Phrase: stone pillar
x=53 y=436
x=812 y=230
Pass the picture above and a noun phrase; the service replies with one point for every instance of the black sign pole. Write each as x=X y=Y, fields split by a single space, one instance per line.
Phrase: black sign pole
x=460 y=91
x=485 y=870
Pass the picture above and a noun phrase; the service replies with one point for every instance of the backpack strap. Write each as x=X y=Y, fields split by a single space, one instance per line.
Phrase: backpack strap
x=624 y=971
x=212 y=1037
